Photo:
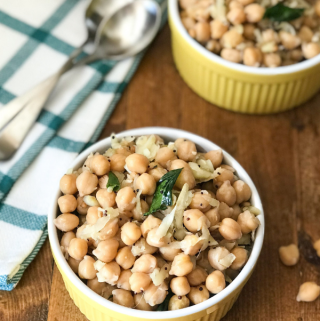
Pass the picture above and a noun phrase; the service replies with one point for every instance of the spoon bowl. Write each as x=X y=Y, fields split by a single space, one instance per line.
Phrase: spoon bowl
x=129 y=30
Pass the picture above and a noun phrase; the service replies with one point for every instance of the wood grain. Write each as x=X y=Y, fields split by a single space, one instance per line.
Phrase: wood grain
x=280 y=153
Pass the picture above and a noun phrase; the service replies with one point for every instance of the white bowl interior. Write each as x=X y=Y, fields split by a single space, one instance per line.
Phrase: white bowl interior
x=168 y=134
x=174 y=12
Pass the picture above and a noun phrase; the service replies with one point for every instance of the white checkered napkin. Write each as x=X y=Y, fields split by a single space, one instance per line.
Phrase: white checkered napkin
x=36 y=38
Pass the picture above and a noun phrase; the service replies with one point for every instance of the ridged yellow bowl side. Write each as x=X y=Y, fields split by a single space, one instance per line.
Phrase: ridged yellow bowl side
x=96 y=312
x=240 y=91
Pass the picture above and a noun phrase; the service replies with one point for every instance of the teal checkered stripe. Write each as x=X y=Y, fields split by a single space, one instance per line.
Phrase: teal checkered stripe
x=52 y=122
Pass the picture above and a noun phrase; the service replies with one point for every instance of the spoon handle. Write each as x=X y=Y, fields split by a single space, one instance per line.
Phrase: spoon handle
x=18 y=116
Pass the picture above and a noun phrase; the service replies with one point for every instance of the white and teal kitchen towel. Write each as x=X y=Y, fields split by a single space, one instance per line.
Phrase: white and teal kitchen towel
x=36 y=38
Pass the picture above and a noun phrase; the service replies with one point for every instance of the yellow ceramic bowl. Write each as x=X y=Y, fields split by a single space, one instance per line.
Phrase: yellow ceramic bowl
x=96 y=308
x=238 y=87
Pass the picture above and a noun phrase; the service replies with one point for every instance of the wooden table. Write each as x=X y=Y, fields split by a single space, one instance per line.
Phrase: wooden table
x=280 y=153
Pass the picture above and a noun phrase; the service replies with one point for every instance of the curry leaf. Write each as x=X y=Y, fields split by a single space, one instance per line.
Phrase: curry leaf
x=280 y=12
x=113 y=182
x=163 y=195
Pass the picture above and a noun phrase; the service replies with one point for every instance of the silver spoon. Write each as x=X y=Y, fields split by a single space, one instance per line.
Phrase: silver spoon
x=124 y=34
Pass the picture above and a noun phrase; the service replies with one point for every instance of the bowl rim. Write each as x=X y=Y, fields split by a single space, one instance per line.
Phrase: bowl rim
x=243 y=275
x=300 y=66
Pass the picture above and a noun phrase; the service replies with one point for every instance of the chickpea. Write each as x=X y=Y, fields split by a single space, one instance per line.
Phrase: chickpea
x=96 y=286
x=188 y=22
x=139 y=281
x=215 y=255
x=241 y=258
x=105 y=198
x=236 y=212
x=194 y=220
x=218 y=29
x=311 y=21
x=181 y=265
x=200 y=201
x=252 y=57
x=147 y=249
x=215 y=156
x=74 y=264
x=118 y=238
x=169 y=253
x=288 y=40
x=110 y=272
x=123 y=219
x=213 y=46
x=106 y=250
x=230 y=229
x=130 y=233
x=243 y=191
x=305 y=34
x=296 y=54
x=140 y=303
x=109 y=231
x=185 y=176
x=254 y=12
x=66 y=222
x=235 y=5
x=164 y=155
x=226 y=194
x=145 y=264
x=310 y=50
x=197 y=276
x=236 y=16
x=269 y=35
x=193 y=245
x=215 y=282
x=139 y=215
x=126 y=151
x=156 y=170
x=86 y=183
x=232 y=55
x=272 y=60
x=137 y=163
x=187 y=151
x=68 y=184
x=224 y=211
x=86 y=268
x=192 y=33
x=202 y=32
x=82 y=207
x=317 y=8
x=125 y=258
x=125 y=199
x=223 y=175
x=187 y=3
x=213 y=216
x=248 y=31
x=155 y=294
x=117 y=162
x=316 y=246
x=178 y=302
x=198 y=294
x=93 y=215
x=248 y=222
x=123 y=297
x=123 y=281
x=78 y=248
x=308 y=292
x=98 y=164
x=67 y=203
x=146 y=183
x=231 y=39
x=65 y=241
x=289 y=255
x=153 y=240
x=150 y=223
x=180 y=285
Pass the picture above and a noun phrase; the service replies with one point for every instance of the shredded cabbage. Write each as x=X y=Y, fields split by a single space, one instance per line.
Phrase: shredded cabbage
x=158 y=275
x=90 y=200
x=92 y=230
x=227 y=260
x=147 y=146
x=166 y=224
x=200 y=174
x=109 y=152
x=219 y=11
x=98 y=265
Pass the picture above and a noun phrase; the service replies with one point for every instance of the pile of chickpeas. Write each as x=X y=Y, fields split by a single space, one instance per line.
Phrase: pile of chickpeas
x=237 y=31
x=123 y=259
